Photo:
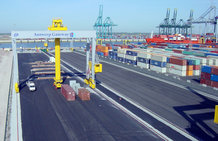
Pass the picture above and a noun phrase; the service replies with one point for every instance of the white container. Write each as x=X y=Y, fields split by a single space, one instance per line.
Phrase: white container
x=177 y=67
x=121 y=55
x=196 y=72
x=215 y=62
x=159 y=58
x=177 y=72
x=77 y=86
x=209 y=61
x=144 y=55
x=51 y=59
x=131 y=57
x=121 y=51
x=143 y=65
x=158 y=69
x=72 y=83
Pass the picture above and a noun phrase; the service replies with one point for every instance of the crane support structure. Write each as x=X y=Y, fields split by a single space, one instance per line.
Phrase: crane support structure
x=57 y=25
x=57 y=32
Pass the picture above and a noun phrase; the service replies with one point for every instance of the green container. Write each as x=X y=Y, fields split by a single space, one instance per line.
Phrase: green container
x=187 y=52
x=168 y=49
x=44 y=50
x=199 y=54
x=194 y=61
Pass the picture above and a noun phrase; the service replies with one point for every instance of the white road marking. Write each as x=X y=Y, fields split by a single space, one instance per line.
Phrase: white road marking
x=144 y=123
x=154 y=115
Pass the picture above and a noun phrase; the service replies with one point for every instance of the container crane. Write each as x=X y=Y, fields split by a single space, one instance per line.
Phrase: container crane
x=206 y=19
x=103 y=29
x=98 y=26
x=57 y=25
x=107 y=28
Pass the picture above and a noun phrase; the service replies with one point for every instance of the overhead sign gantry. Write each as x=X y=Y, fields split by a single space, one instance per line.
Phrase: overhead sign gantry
x=58 y=31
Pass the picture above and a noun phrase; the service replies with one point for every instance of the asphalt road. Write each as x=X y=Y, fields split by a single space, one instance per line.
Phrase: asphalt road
x=47 y=116
x=186 y=109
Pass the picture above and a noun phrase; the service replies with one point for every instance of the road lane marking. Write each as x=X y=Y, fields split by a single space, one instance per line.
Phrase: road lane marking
x=141 y=121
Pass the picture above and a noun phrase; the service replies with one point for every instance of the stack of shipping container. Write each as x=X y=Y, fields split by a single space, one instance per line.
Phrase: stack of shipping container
x=170 y=58
x=209 y=76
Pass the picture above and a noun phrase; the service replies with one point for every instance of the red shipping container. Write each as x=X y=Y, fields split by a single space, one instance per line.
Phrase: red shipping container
x=178 y=61
x=205 y=75
x=204 y=81
x=214 y=84
x=68 y=92
x=214 y=70
x=196 y=67
x=177 y=51
x=105 y=53
x=84 y=94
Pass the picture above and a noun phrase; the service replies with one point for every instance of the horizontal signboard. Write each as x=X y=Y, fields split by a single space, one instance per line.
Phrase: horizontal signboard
x=52 y=34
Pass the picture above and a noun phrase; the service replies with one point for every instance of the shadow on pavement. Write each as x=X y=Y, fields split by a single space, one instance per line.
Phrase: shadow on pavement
x=197 y=124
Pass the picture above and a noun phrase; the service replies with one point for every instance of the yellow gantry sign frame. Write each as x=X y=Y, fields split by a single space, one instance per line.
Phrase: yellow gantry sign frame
x=57 y=25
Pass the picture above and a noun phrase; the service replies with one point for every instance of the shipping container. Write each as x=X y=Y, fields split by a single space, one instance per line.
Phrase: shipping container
x=177 y=67
x=176 y=72
x=143 y=60
x=84 y=94
x=68 y=92
x=196 y=67
x=214 y=70
x=158 y=63
x=190 y=68
x=205 y=81
x=132 y=53
x=143 y=65
x=189 y=73
x=158 y=69
x=144 y=55
x=206 y=69
x=214 y=84
x=178 y=61
x=133 y=62
x=121 y=59
x=131 y=57
x=159 y=58
x=214 y=77
x=196 y=72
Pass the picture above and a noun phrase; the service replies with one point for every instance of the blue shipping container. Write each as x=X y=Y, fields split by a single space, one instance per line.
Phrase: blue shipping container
x=212 y=54
x=132 y=53
x=143 y=60
x=168 y=59
x=214 y=77
x=111 y=53
x=195 y=45
x=100 y=53
x=158 y=63
x=121 y=59
x=131 y=61
x=206 y=69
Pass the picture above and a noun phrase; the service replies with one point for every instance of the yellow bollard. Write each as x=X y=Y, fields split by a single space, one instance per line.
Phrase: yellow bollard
x=16 y=87
x=216 y=114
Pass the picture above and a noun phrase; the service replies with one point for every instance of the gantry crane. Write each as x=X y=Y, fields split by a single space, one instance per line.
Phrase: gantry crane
x=57 y=25
x=170 y=27
x=103 y=29
x=208 y=17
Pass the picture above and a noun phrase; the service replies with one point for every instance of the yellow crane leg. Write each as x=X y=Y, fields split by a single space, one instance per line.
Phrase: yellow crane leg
x=216 y=114
x=57 y=79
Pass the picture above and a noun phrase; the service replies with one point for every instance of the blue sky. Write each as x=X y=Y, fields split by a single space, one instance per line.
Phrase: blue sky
x=130 y=15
